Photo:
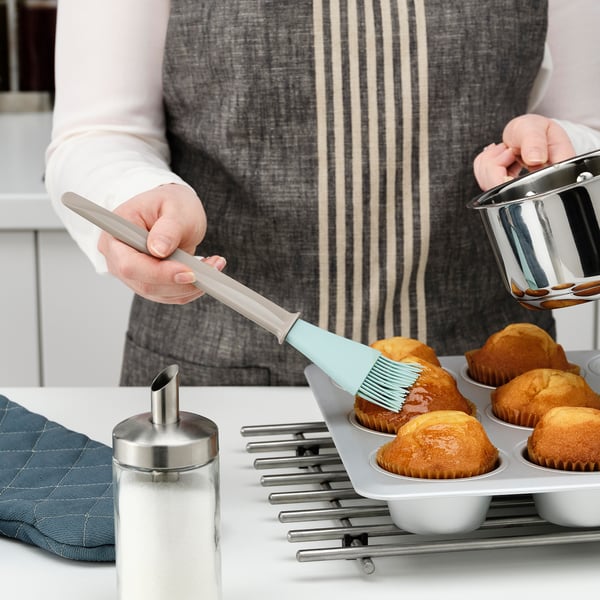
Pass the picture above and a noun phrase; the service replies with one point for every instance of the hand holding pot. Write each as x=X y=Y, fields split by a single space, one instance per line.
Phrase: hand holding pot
x=528 y=142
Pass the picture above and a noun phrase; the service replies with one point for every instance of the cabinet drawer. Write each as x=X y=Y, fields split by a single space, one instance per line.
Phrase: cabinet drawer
x=19 y=356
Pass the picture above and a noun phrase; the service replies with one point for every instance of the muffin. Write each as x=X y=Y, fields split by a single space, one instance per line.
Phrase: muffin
x=527 y=397
x=515 y=349
x=567 y=438
x=435 y=389
x=396 y=348
x=443 y=444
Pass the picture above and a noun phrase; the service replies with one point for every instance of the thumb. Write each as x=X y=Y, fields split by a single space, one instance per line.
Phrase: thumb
x=528 y=137
x=164 y=237
x=534 y=151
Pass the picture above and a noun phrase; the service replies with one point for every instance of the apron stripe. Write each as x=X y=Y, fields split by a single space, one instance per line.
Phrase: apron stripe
x=323 y=180
x=357 y=170
x=407 y=183
x=373 y=153
x=390 y=167
x=340 y=167
x=346 y=67
x=424 y=198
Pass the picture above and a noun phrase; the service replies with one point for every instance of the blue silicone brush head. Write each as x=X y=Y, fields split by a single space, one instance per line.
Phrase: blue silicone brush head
x=356 y=368
x=388 y=382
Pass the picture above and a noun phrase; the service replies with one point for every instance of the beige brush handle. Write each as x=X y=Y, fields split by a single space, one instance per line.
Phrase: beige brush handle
x=223 y=288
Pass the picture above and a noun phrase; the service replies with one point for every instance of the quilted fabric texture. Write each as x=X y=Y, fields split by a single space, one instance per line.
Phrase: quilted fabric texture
x=55 y=486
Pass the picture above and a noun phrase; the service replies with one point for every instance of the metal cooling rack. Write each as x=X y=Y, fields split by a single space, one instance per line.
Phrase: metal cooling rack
x=361 y=528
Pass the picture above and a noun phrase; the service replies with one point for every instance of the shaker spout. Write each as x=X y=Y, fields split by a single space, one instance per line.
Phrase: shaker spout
x=165 y=438
x=165 y=396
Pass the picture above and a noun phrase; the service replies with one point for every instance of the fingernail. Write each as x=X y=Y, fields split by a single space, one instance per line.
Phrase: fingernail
x=220 y=263
x=535 y=157
x=185 y=277
x=160 y=246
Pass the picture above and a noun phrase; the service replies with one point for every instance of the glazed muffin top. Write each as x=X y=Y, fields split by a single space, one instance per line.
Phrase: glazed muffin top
x=517 y=348
x=442 y=444
x=434 y=389
x=568 y=438
x=527 y=397
x=396 y=348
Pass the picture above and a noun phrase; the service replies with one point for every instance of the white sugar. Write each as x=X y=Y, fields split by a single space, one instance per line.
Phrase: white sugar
x=167 y=538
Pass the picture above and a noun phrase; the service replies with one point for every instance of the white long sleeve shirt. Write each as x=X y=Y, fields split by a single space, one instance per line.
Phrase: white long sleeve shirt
x=108 y=139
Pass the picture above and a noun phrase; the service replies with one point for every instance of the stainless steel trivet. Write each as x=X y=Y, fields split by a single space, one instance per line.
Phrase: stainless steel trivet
x=362 y=527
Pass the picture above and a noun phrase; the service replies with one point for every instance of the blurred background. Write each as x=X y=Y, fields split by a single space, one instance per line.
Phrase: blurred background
x=61 y=324
x=27 y=30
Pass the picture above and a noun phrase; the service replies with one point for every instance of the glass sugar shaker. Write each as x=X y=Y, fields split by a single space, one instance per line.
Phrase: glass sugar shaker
x=166 y=493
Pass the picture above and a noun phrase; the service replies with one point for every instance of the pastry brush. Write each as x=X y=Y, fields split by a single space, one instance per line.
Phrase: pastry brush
x=356 y=368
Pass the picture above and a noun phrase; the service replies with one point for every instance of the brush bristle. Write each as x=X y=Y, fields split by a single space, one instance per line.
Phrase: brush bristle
x=388 y=383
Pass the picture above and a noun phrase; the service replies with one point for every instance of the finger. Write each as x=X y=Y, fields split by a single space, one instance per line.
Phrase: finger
x=166 y=294
x=128 y=264
x=217 y=261
x=514 y=170
x=164 y=281
x=491 y=166
x=175 y=294
x=527 y=136
x=188 y=276
x=534 y=151
x=559 y=144
x=164 y=237
x=171 y=231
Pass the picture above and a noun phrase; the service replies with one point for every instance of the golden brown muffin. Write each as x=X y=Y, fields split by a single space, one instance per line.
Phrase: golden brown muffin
x=443 y=444
x=396 y=348
x=435 y=389
x=527 y=397
x=567 y=438
x=515 y=349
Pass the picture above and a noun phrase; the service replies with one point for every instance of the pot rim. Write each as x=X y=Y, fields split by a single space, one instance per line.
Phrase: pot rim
x=489 y=198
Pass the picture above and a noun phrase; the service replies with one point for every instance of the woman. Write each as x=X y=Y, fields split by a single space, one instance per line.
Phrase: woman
x=324 y=148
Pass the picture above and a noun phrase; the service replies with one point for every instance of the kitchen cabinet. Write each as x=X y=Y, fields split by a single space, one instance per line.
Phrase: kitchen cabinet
x=62 y=324
x=19 y=357
x=83 y=316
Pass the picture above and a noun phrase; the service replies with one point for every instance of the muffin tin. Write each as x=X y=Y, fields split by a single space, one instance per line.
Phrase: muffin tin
x=453 y=506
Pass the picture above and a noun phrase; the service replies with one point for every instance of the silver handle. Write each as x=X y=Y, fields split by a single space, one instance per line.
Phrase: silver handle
x=223 y=288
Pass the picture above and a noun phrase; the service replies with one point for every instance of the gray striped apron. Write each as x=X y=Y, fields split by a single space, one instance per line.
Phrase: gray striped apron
x=331 y=142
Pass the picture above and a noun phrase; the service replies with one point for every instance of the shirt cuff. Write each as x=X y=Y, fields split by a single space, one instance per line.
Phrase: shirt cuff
x=584 y=138
x=107 y=171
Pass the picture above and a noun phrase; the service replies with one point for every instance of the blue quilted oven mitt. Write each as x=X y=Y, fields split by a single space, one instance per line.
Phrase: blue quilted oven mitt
x=55 y=486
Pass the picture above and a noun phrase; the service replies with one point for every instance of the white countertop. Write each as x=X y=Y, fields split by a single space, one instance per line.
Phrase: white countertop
x=258 y=562
x=24 y=203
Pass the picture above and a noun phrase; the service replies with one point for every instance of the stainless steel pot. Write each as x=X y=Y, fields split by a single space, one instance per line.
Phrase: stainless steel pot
x=544 y=228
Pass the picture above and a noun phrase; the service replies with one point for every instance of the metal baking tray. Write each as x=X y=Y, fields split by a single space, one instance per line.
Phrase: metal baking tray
x=451 y=506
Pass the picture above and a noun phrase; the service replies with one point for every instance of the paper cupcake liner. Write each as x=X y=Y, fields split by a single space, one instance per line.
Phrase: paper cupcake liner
x=380 y=423
x=486 y=375
x=375 y=423
x=515 y=417
x=472 y=407
x=431 y=474
x=574 y=369
x=562 y=464
x=495 y=377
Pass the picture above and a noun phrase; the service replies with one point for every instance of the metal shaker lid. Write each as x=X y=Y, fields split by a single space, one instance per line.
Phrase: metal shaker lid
x=165 y=438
